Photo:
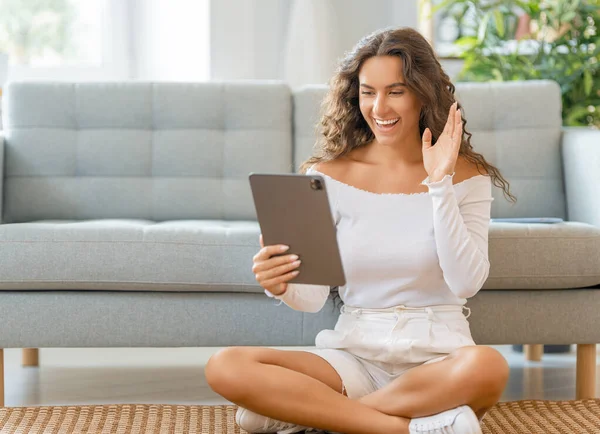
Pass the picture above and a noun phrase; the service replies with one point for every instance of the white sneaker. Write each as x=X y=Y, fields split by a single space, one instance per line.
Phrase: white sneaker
x=459 y=420
x=256 y=423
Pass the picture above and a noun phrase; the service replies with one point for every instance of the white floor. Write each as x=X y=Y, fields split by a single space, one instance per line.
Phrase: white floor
x=176 y=376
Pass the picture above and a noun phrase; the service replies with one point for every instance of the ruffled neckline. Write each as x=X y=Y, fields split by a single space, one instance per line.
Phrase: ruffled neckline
x=420 y=193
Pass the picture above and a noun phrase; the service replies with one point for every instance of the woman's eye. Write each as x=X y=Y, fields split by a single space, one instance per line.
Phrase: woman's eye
x=397 y=93
x=364 y=92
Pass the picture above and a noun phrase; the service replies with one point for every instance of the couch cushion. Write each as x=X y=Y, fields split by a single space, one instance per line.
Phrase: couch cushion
x=216 y=256
x=184 y=255
x=156 y=151
x=543 y=256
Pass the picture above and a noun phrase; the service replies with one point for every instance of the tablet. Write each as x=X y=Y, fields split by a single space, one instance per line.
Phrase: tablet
x=293 y=209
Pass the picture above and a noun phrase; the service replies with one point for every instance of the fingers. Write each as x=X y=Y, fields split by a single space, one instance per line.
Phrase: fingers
x=458 y=129
x=275 y=282
x=266 y=252
x=426 y=139
x=273 y=271
x=452 y=119
x=452 y=128
x=276 y=270
x=279 y=264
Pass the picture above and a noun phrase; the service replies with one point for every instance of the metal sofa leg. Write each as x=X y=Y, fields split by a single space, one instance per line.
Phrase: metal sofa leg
x=533 y=353
x=30 y=357
x=1 y=377
x=586 y=371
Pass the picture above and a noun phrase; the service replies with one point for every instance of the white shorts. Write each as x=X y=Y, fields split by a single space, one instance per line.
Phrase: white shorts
x=369 y=348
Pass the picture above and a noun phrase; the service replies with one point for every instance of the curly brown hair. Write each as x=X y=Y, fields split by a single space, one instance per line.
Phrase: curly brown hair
x=344 y=127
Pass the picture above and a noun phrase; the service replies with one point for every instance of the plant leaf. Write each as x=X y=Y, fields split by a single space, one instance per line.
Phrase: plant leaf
x=482 y=31
x=568 y=16
x=588 y=82
x=574 y=113
x=445 y=4
x=499 y=21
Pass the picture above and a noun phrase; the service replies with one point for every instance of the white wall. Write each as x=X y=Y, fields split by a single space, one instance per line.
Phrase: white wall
x=171 y=40
x=248 y=38
x=358 y=18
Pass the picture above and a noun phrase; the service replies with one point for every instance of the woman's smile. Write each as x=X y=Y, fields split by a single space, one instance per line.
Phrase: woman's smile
x=386 y=126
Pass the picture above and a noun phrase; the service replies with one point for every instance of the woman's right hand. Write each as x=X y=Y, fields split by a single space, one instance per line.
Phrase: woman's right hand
x=273 y=273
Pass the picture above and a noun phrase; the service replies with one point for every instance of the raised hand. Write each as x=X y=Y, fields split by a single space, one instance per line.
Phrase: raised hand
x=440 y=159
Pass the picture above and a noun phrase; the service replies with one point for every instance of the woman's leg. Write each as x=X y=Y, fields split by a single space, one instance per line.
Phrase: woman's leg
x=294 y=386
x=474 y=376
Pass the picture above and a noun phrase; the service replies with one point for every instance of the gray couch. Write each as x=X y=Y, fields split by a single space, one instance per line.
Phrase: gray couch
x=128 y=219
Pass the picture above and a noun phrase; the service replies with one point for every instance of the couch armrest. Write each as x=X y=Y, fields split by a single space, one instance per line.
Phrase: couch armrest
x=581 y=164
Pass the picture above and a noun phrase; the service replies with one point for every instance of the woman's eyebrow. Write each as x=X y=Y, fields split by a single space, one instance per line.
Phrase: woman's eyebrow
x=387 y=87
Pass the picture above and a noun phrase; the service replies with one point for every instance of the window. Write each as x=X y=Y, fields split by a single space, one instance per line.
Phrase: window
x=65 y=39
x=106 y=39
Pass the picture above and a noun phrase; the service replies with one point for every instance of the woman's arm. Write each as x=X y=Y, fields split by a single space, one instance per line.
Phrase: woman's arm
x=461 y=233
x=304 y=298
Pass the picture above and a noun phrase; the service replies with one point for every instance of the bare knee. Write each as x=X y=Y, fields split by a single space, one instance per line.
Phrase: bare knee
x=482 y=373
x=224 y=371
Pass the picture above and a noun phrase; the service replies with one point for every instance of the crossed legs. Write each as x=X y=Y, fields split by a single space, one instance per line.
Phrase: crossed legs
x=302 y=388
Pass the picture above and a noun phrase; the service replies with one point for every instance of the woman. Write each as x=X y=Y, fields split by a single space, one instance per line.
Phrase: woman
x=411 y=201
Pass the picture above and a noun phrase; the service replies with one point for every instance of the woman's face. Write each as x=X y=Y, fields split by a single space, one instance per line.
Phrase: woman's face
x=389 y=107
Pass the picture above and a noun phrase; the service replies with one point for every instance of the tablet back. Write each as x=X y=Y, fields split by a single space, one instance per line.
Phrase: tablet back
x=293 y=209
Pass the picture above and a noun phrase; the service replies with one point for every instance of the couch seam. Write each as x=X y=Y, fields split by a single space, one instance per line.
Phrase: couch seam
x=544 y=275
x=122 y=242
x=198 y=244
x=34 y=127
x=129 y=282
x=246 y=284
x=583 y=237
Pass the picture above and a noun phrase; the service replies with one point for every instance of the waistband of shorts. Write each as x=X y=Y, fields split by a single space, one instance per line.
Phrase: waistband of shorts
x=406 y=309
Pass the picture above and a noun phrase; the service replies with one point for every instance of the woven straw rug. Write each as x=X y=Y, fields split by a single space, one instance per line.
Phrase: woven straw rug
x=541 y=417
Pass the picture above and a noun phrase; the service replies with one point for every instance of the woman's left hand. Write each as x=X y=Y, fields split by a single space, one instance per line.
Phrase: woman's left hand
x=440 y=160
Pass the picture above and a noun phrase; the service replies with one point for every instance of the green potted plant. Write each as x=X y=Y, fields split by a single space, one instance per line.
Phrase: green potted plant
x=532 y=39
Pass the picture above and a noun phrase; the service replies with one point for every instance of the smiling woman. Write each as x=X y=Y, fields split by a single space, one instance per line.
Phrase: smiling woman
x=411 y=202
x=390 y=89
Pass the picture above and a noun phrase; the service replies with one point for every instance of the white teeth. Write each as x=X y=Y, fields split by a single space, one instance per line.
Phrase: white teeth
x=390 y=122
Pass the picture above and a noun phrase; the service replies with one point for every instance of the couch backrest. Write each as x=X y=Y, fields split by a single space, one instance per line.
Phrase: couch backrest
x=515 y=125
x=164 y=151
x=155 y=151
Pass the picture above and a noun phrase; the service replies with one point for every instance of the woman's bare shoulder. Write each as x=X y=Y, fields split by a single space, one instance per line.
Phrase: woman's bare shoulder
x=332 y=168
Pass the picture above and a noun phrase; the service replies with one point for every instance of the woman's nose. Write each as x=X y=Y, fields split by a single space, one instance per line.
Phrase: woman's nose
x=379 y=106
